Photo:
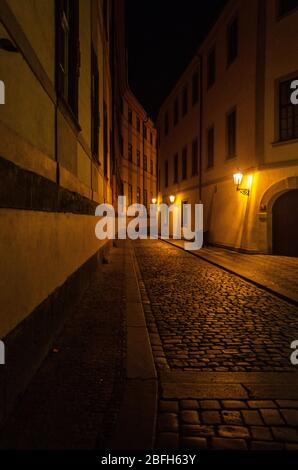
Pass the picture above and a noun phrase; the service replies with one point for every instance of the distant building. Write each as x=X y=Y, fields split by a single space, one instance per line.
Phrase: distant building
x=248 y=125
x=138 y=152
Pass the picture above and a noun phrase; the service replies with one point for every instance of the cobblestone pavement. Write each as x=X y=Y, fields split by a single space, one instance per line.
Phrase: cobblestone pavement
x=279 y=273
x=74 y=398
x=222 y=349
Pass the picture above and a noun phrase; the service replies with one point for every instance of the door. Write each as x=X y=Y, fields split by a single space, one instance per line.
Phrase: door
x=285 y=224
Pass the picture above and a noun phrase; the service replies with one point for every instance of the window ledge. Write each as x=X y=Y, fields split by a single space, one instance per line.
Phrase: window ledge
x=276 y=143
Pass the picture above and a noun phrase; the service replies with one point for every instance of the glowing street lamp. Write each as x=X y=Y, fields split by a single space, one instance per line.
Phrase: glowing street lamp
x=237 y=177
x=172 y=199
x=153 y=200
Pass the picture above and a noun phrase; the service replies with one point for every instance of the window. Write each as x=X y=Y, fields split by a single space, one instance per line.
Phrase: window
x=67 y=37
x=195 y=88
x=105 y=139
x=138 y=195
x=176 y=168
x=232 y=41
x=138 y=158
x=211 y=68
x=130 y=116
x=121 y=144
x=130 y=152
x=210 y=147
x=166 y=123
x=288 y=112
x=145 y=197
x=231 y=134
x=145 y=162
x=144 y=131
x=285 y=6
x=151 y=167
x=138 y=124
x=166 y=173
x=176 y=111
x=94 y=104
x=129 y=194
x=184 y=163
x=194 y=159
x=184 y=101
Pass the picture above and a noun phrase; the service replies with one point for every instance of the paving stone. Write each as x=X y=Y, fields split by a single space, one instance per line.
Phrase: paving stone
x=211 y=417
x=188 y=404
x=261 y=404
x=287 y=403
x=251 y=417
x=234 y=404
x=261 y=433
x=168 y=422
x=228 y=444
x=189 y=417
x=194 y=443
x=232 y=417
x=272 y=417
x=197 y=430
x=210 y=404
x=291 y=446
x=265 y=445
x=167 y=440
x=233 y=431
x=290 y=416
x=169 y=405
x=285 y=434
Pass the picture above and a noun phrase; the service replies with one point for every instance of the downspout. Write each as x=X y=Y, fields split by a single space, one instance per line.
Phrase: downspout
x=200 y=124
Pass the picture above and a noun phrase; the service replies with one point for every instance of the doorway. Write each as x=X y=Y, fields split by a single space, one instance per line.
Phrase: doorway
x=285 y=224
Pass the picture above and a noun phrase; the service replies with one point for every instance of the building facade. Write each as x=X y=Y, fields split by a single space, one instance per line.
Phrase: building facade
x=138 y=152
x=57 y=164
x=247 y=125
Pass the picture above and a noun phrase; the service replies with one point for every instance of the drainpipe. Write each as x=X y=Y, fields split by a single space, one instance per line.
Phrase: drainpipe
x=200 y=123
x=144 y=122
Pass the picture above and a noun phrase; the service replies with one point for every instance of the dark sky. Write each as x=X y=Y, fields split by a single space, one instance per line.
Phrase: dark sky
x=162 y=37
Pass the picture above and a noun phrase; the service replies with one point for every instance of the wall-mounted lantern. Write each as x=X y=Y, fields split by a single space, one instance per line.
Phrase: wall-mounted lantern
x=172 y=199
x=153 y=200
x=237 y=177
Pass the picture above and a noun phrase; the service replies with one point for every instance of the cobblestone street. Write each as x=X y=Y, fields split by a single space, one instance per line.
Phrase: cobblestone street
x=222 y=349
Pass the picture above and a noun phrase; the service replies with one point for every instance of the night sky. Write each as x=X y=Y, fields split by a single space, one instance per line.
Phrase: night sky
x=162 y=37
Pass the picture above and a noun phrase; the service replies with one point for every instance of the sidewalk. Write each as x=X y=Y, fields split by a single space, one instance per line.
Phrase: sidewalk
x=278 y=274
x=97 y=387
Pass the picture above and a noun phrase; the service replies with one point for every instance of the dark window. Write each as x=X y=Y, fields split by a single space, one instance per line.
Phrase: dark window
x=144 y=131
x=176 y=168
x=138 y=195
x=210 y=147
x=121 y=144
x=166 y=124
x=232 y=41
x=145 y=162
x=138 y=158
x=130 y=116
x=211 y=68
x=105 y=139
x=231 y=134
x=130 y=152
x=184 y=101
x=129 y=194
x=151 y=167
x=184 y=163
x=194 y=166
x=195 y=88
x=285 y=6
x=145 y=197
x=176 y=111
x=288 y=112
x=138 y=124
x=94 y=104
x=166 y=173
x=67 y=52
